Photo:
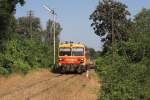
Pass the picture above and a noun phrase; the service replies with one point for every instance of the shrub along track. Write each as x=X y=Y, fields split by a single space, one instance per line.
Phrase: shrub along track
x=50 y=87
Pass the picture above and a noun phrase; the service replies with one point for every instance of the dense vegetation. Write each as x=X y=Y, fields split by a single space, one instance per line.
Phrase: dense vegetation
x=24 y=45
x=128 y=78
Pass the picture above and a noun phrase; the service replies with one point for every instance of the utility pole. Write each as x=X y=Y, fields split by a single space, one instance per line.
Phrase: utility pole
x=54 y=20
x=30 y=15
x=113 y=38
x=52 y=12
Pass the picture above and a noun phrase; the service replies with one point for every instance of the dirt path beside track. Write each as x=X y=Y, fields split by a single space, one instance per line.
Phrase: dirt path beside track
x=45 y=85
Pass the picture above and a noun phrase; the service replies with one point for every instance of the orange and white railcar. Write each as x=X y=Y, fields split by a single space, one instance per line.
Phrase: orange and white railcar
x=72 y=57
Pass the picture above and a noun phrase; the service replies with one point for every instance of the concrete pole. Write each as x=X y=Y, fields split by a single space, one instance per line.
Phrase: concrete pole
x=54 y=19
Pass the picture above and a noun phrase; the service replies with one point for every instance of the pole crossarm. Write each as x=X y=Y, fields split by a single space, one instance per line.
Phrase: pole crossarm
x=50 y=11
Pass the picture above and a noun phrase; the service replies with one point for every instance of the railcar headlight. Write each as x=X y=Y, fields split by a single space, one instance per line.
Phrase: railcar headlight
x=60 y=59
x=82 y=60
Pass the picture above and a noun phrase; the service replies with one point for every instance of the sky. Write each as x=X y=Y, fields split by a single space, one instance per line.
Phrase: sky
x=73 y=16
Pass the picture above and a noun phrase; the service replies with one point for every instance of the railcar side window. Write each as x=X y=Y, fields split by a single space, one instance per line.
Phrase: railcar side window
x=77 y=52
x=64 y=52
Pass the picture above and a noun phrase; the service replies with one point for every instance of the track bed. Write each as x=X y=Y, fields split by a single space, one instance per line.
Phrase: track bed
x=44 y=85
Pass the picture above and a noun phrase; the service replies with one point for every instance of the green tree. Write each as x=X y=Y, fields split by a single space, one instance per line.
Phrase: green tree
x=24 y=25
x=138 y=45
x=49 y=29
x=92 y=53
x=7 y=9
x=128 y=80
x=102 y=21
x=141 y=30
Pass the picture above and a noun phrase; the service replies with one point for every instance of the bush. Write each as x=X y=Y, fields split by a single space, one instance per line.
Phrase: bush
x=21 y=66
x=3 y=71
x=22 y=54
x=123 y=81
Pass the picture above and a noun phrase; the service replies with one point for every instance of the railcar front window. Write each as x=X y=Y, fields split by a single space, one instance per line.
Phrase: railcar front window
x=65 y=52
x=77 y=52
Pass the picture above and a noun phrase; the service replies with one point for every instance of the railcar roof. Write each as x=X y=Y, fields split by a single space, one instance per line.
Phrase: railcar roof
x=71 y=45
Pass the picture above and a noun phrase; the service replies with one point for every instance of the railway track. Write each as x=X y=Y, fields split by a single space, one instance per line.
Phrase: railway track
x=51 y=87
x=12 y=95
x=28 y=86
x=6 y=95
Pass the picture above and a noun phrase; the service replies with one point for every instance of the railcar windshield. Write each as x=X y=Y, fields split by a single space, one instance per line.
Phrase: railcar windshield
x=64 y=52
x=71 y=52
x=77 y=52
